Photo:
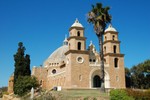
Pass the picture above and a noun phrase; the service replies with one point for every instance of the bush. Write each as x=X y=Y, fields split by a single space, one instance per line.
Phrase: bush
x=138 y=94
x=24 y=84
x=119 y=94
x=1 y=95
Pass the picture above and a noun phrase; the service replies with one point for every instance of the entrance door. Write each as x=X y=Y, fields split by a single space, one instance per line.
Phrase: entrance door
x=96 y=81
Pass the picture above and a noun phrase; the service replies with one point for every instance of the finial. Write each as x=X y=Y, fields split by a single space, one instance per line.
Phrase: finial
x=65 y=42
x=90 y=43
x=76 y=21
x=110 y=25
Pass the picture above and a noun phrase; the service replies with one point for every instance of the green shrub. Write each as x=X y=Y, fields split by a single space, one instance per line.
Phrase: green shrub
x=119 y=94
x=1 y=94
x=24 y=85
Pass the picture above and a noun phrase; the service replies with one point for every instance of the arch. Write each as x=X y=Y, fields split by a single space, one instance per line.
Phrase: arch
x=94 y=60
x=90 y=60
x=96 y=71
x=115 y=48
x=79 y=45
x=116 y=62
x=105 y=38
x=69 y=45
x=104 y=49
x=78 y=33
x=96 y=81
x=113 y=37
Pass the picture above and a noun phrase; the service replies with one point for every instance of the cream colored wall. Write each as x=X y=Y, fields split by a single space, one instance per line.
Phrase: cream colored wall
x=73 y=32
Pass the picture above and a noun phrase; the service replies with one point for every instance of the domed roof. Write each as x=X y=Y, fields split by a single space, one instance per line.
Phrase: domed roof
x=58 y=55
x=77 y=24
x=110 y=28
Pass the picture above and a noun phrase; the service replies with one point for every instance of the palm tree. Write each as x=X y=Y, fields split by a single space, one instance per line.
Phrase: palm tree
x=100 y=17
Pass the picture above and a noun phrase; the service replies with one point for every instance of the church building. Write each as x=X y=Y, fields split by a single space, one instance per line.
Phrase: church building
x=73 y=66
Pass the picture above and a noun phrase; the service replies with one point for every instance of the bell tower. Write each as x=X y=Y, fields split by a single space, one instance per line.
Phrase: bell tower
x=114 y=58
x=76 y=38
x=78 y=57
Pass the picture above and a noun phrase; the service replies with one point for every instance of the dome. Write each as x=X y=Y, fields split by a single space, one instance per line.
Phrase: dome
x=58 y=55
x=77 y=24
x=110 y=28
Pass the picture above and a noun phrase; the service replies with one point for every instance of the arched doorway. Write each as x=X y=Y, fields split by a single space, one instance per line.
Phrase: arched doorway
x=96 y=81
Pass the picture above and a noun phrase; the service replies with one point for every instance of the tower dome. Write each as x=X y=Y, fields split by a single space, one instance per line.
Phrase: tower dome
x=110 y=28
x=77 y=24
x=58 y=56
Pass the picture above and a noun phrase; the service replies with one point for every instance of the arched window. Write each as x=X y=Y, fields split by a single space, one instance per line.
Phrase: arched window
x=117 y=78
x=94 y=60
x=96 y=81
x=69 y=45
x=115 y=47
x=116 y=62
x=80 y=77
x=79 y=45
x=90 y=60
x=104 y=49
x=78 y=33
x=105 y=38
x=113 y=37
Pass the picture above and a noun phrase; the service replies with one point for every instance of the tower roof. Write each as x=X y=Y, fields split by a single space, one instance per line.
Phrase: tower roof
x=77 y=24
x=110 y=28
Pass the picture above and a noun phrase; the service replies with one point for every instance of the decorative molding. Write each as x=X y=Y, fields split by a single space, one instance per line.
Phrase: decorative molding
x=112 y=41
x=77 y=51
x=114 y=54
x=77 y=38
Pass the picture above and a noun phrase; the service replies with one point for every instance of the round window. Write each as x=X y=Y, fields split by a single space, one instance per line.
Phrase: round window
x=80 y=59
x=54 y=71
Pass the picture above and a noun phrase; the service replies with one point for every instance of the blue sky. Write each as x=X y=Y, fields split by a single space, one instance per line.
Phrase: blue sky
x=42 y=24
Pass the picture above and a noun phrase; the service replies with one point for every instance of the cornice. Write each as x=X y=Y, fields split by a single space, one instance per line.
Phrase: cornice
x=77 y=51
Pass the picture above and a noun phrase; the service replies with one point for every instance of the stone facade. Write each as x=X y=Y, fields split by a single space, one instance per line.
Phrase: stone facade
x=74 y=66
x=11 y=84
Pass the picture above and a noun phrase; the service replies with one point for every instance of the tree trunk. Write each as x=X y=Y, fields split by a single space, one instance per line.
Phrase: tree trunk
x=102 y=74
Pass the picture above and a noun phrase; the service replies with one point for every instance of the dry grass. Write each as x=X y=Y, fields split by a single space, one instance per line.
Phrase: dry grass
x=78 y=94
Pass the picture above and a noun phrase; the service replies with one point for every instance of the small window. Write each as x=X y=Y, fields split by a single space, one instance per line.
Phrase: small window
x=54 y=71
x=90 y=60
x=78 y=33
x=94 y=60
x=117 y=78
x=79 y=45
x=115 y=47
x=69 y=45
x=70 y=34
x=113 y=37
x=104 y=49
x=105 y=38
x=80 y=77
x=116 y=62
